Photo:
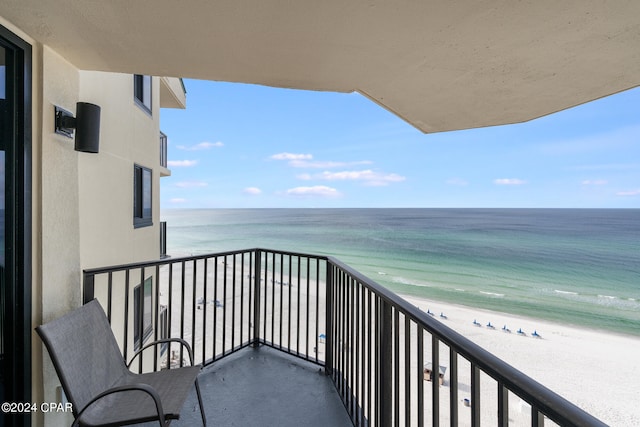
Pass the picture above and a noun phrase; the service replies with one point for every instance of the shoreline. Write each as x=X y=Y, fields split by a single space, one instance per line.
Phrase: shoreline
x=598 y=371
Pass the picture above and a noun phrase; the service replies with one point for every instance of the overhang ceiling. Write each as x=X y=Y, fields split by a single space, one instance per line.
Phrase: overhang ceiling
x=440 y=65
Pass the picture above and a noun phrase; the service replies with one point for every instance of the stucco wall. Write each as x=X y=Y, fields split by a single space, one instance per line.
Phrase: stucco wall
x=128 y=136
x=59 y=226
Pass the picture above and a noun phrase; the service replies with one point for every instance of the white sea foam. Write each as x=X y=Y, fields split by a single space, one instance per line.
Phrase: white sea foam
x=607 y=296
x=409 y=282
x=565 y=292
x=493 y=294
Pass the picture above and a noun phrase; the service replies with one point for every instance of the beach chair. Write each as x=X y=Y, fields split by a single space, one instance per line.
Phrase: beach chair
x=98 y=383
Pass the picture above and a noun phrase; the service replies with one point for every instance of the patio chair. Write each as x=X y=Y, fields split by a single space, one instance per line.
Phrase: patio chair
x=98 y=383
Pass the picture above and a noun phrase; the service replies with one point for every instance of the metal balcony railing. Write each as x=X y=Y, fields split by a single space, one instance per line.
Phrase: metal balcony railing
x=371 y=342
x=163 y=239
x=163 y=150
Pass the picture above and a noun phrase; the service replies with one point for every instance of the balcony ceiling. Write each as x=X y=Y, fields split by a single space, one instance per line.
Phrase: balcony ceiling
x=440 y=65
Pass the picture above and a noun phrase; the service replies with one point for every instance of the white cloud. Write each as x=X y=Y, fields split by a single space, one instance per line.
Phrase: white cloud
x=368 y=176
x=326 y=164
x=181 y=163
x=291 y=156
x=318 y=190
x=631 y=193
x=253 y=191
x=177 y=200
x=201 y=146
x=594 y=182
x=509 y=181
x=191 y=184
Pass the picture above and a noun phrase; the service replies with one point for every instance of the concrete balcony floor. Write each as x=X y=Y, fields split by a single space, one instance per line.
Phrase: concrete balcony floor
x=264 y=387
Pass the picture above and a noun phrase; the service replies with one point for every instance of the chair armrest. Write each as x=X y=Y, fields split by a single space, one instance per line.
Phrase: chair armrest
x=162 y=341
x=141 y=387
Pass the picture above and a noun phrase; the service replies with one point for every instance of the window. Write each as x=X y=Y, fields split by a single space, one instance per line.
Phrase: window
x=142 y=319
x=142 y=91
x=142 y=210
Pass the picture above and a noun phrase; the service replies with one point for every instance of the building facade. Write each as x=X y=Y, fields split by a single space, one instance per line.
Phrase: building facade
x=65 y=210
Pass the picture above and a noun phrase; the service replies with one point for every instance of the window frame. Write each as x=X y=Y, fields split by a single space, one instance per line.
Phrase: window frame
x=143 y=92
x=142 y=196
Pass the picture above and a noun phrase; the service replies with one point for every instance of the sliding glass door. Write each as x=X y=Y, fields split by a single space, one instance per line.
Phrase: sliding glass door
x=15 y=225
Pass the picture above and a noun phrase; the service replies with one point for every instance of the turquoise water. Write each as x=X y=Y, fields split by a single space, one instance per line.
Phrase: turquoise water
x=575 y=266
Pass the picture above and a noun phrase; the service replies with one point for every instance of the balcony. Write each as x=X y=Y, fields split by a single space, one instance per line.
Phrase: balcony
x=164 y=156
x=265 y=323
x=163 y=240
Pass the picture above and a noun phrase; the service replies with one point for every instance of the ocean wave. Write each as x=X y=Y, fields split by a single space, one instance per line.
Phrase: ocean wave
x=607 y=296
x=382 y=273
x=558 y=291
x=405 y=281
x=493 y=294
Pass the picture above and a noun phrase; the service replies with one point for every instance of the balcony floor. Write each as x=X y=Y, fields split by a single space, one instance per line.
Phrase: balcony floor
x=264 y=387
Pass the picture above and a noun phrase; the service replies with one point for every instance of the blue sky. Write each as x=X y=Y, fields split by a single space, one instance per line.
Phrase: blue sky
x=246 y=146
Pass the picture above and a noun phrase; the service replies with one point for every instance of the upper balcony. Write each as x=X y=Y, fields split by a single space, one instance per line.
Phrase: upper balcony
x=265 y=323
x=172 y=93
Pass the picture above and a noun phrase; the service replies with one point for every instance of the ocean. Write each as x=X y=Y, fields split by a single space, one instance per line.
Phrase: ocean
x=578 y=267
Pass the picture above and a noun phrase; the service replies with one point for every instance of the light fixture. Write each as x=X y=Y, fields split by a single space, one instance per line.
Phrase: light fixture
x=86 y=125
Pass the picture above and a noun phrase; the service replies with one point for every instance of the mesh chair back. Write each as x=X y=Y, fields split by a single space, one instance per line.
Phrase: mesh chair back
x=84 y=352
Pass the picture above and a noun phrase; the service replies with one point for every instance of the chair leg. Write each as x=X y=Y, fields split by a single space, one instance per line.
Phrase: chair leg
x=204 y=418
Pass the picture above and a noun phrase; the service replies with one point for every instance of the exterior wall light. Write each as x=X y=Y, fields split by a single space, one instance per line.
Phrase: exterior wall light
x=86 y=125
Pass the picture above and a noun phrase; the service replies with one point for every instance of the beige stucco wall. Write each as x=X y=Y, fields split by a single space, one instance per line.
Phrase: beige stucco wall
x=82 y=204
x=128 y=136
x=57 y=222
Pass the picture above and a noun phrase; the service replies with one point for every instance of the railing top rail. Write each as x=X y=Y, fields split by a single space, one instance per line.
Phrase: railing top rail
x=548 y=402
x=177 y=260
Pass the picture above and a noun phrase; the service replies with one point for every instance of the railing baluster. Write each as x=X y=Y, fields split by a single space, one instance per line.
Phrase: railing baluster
x=475 y=395
x=369 y=352
x=182 y=309
x=329 y=319
x=420 y=377
x=317 y=331
x=407 y=370
x=256 y=299
x=156 y=316
x=385 y=359
x=205 y=274
x=281 y=302
x=290 y=280
x=396 y=366
x=363 y=348
x=233 y=306
x=307 y=308
x=169 y=312
x=453 y=387
x=537 y=419
x=215 y=307
x=435 y=379
x=503 y=405
x=126 y=316
x=109 y=294
x=241 y=298
x=350 y=345
x=193 y=305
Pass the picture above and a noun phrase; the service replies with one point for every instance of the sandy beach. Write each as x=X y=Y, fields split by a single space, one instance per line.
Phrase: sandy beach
x=598 y=371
